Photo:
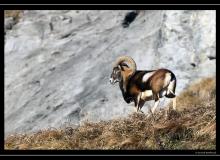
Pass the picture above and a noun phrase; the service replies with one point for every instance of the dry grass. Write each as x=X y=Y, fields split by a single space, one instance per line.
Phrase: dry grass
x=197 y=94
x=16 y=14
x=193 y=126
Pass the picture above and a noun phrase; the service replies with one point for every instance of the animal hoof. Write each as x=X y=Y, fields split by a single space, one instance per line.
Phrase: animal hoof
x=141 y=111
x=135 y=109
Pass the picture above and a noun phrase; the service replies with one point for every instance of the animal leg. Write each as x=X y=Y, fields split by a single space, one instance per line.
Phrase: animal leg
x=167 y=110
x=135 y=105
x=137 y=102
x=141 y=104
x=174 y=103
x=157 y=101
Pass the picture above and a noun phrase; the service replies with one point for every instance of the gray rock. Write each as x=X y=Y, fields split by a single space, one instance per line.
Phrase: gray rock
x=58 y=63
x=9 y=22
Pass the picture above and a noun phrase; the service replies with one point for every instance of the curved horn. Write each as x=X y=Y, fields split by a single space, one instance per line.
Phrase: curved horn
x=128 y=59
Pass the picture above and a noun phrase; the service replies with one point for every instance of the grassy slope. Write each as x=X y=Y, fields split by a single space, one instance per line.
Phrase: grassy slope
x=193 y=126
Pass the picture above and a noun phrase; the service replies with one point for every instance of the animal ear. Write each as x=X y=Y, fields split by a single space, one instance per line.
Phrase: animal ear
x=119 y=66
x=124 y=64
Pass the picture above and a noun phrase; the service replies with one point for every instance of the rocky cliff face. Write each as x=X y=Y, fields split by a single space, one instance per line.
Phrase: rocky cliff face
x=58 y=63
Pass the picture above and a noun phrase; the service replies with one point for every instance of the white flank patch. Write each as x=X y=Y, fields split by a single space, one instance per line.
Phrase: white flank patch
x=171 y=86
x=167 y=79
x=147 y=95
x=147 y=76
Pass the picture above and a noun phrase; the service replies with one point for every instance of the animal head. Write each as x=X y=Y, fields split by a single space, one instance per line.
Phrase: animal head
x=121 y=64
x=116 y=75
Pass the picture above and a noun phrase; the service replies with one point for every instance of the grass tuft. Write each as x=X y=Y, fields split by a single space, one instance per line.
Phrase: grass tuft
x=15 y=14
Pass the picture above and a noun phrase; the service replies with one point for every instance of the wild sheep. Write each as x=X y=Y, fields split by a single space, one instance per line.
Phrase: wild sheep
x=139 y=86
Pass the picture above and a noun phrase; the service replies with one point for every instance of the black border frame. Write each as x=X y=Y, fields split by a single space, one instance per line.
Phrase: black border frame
x=110 y=152
x=110 y=2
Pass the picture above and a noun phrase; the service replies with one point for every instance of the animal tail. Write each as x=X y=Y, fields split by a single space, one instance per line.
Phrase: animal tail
x=171 y=87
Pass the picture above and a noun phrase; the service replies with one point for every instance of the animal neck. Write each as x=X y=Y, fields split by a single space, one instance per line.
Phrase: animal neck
x=126 y=75
x=124 y=91
x=122 y=86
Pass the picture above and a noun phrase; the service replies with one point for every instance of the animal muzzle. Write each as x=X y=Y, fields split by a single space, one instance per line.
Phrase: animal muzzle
x=113 y=81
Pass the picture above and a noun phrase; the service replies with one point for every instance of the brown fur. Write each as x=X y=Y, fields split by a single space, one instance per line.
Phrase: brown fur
x=157 y=80
x=126 y=73
x=132 y=84
x=135 y=90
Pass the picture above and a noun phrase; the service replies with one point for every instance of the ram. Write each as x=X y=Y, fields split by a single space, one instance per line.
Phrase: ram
x=139 y=86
